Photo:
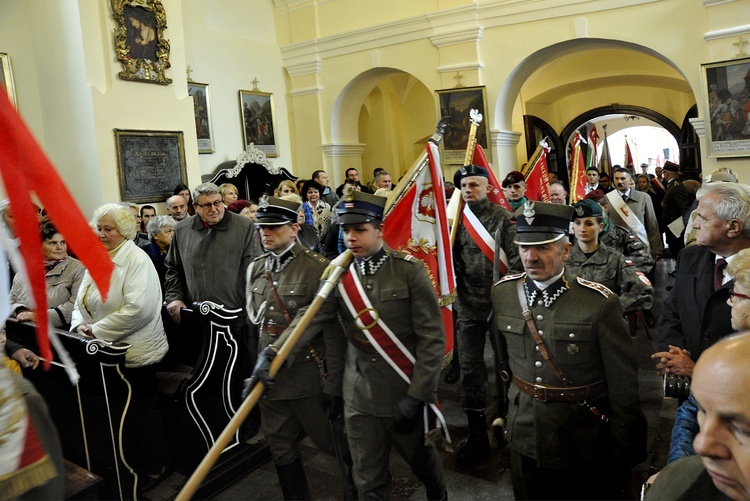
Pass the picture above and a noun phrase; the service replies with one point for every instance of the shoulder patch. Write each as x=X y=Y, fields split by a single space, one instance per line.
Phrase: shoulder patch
x=512 y=276
x=318 y=257
x=603 y=290
x=398 y=254
x=643 y=278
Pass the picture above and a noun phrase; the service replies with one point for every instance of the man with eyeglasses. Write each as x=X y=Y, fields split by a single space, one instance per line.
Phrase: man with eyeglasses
x=209 y=255
x=281 y=283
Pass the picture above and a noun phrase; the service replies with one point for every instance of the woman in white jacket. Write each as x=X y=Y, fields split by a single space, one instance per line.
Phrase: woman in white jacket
x=132 y=315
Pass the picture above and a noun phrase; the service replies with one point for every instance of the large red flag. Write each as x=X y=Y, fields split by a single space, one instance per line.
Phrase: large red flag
x=537 y=175
x=628 y=153
x=497 y=195
x=592 y=153
x=578 y=179
x=418 y=224
x=25 y=169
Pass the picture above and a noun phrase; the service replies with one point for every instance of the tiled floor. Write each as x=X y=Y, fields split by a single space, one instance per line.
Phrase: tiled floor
x=487 y=481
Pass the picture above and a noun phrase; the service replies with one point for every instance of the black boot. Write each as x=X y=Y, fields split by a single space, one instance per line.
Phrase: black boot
x=477 y=448
x=454 y=371
x=293 y=480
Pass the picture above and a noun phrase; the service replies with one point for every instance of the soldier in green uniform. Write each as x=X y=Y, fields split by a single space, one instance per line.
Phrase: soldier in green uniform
x=280 y=283
x=474 y=275
x=599 y=263
x=575 y=426
x=384 y=394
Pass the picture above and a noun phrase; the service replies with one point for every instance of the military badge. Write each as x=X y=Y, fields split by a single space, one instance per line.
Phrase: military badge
x=292 y=304
x=572 y=349
x=579 y=211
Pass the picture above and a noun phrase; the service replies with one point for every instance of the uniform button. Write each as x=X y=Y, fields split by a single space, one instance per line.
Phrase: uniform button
x=271 y=308
x=571 y=335
x=541 y=333
x=540 y=302
x=374 y=359
x=538 y=380
x=369 y=286
x=291 y=292
x=394 y=295
x=538 y=363
x=508 y=328
x=540 y=317
x=536 y=348
x=275 y=283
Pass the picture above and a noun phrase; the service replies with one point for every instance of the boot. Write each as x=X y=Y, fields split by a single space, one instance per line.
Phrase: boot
x=477 y=448
x=454 y=372
x=293 y=480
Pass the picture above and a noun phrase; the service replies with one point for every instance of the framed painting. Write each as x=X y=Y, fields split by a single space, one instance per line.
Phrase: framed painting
x=258 y=121
x=457 y=103
x=202 y=112
x=726 y=92
x=149 y=164
x=140 y=45
x=6 y=78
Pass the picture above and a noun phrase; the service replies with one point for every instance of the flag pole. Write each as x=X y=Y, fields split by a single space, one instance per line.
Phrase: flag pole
x=476 y=119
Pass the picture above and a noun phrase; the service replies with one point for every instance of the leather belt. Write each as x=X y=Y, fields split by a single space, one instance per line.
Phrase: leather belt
x=561 y=394
x=363 y=345
x=274 y=330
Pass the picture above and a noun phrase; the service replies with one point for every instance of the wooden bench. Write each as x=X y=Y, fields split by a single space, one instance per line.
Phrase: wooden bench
x=81 y=483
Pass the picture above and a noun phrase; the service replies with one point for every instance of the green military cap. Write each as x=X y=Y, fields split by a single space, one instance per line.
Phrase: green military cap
x=586 y=208
x=539 y=223
x=357 y=207
x=274 y=211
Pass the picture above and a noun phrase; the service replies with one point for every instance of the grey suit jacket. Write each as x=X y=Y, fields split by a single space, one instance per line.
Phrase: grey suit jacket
x=640 y=203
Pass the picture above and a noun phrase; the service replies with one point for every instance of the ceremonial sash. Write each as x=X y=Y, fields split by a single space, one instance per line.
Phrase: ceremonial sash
x=385 y=342
x=483 y=239
x=627 y=215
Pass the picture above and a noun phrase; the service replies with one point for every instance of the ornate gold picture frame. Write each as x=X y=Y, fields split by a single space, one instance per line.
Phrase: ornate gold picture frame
x=139 y=40
x=457 y=103
x=726 y=96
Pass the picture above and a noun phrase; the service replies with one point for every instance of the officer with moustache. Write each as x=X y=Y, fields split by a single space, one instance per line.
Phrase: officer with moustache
x=386 y=304
x=280 y=283
x=575 y=425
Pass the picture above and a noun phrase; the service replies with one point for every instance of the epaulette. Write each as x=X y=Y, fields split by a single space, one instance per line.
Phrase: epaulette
x=318 y=257
x=602 y=289
x=405 y=256
x=262 y=256
x=508 y=278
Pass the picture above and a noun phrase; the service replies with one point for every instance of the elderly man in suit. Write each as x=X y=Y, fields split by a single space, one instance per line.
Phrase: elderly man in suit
x=635 y=210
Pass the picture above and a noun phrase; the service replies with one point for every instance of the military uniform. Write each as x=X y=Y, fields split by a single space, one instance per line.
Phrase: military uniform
x=609 y=267
x=622 y=239
x=295 y=400
x=582 y=326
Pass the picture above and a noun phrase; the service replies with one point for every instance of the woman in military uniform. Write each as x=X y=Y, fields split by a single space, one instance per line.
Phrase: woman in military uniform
x=599 y=263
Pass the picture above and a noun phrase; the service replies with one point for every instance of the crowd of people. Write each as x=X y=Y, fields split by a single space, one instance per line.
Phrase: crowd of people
x=549 y=284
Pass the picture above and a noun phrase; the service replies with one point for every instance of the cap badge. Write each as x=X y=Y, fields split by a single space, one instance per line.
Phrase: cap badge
x=579 y=211
x=349 y=196
x=529 y=212
x=463 y=170
x=263 y=201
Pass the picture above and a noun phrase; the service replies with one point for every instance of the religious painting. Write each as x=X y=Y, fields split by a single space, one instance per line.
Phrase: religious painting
x=149 y=164
x=202 y=112
x=140 y=45
x=457 y=103
x=726 y=91
x=258 y=121
x=6 y=78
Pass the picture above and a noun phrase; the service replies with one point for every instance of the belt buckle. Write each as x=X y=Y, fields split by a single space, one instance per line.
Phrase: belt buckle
x=537 y=394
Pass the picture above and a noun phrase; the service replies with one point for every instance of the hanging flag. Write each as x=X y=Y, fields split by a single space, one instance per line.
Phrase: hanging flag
x=628 y=153
x=417 y=224
x=537 y=174
x=578 y=179
x=25 y=169
x=605 y=162
x=497 y=195
x=591 y=152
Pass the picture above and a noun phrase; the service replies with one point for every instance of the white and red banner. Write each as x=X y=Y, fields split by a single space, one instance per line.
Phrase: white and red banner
x=497 y=195
x=578 y=179
x=592 y=153
x=537 y=175
x=417 y=224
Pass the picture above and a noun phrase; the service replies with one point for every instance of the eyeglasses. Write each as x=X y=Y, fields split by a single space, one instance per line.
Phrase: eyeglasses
x=215 y=204
x=733 y=295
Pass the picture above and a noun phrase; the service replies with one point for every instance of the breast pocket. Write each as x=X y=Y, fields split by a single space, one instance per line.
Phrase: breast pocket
x=513 y=330
x=394 y=293
x=573 y=343
x=293 y=295
x=258 y=292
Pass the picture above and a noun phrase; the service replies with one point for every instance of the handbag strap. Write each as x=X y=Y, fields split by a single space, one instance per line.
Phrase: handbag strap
x=538 y=341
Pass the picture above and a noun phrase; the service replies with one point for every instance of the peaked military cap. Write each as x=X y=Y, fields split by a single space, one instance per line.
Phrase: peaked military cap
x=469 y=170
x=513 y=177
x=671 y=166
x=586 y=208
x=540 y=223
x=357 y=207
x=274 y=211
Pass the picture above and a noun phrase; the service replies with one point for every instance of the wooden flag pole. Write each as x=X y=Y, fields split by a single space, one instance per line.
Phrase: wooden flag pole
x=476 y=119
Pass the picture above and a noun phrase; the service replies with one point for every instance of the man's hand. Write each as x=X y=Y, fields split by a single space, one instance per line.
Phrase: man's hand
x=26 y=358
x=261 y=372
x=85 y=330
x=26 y=316
x=406 y=414
x=676 y=361
x=174 y=309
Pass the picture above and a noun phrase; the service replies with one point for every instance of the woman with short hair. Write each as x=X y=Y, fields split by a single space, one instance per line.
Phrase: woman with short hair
x=160 y=232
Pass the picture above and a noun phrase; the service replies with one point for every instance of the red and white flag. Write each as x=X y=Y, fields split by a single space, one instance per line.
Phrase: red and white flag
x=537 y=175
x=628 y=153
x=417 y=224
x=578 y=179
x=25 y=169
x=591 y=152
x=497 y=195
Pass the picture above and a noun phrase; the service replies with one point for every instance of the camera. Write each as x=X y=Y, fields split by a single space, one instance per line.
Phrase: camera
x=677 y=387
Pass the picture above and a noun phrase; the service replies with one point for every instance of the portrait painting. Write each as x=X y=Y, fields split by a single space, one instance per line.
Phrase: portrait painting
x=202 y=113
x=257 y=120
x=726 y=89
x=457 y=103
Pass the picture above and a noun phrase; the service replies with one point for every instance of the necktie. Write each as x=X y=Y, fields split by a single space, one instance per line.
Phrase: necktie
x=624 y=198
x=719 y=272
